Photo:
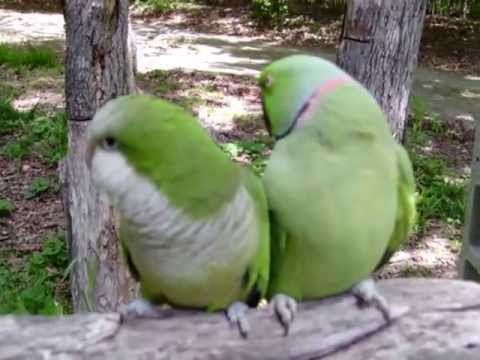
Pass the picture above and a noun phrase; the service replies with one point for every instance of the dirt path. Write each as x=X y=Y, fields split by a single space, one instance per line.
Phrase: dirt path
x=167 y=45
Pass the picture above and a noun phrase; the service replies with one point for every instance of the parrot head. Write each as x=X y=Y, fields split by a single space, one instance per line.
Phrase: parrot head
x=128 y=137
x=287 y=85
x=138 y=144
x=137 y=136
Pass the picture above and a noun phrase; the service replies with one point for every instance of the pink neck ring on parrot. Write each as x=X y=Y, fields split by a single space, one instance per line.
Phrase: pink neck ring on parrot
x=308 y=107
x=317 y=96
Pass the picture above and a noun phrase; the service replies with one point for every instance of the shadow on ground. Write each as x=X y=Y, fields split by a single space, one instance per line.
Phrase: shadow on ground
x=167 y=46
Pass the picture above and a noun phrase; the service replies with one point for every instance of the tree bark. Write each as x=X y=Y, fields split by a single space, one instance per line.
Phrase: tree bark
x=442 y=323
x=99 y=67
x=379 y=47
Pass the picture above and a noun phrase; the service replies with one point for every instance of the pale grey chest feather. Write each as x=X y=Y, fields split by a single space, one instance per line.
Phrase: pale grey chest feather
x=162 y=234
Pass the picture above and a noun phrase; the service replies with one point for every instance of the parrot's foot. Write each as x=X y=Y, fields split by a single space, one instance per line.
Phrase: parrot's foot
x=285 y=307
x=367 y=294
x=139 y=308
x=237 y=315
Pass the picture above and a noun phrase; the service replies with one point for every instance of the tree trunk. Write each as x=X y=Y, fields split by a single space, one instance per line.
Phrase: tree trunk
x=466 y=4
x=379 y=47
x=98 y=68
x=442 y=322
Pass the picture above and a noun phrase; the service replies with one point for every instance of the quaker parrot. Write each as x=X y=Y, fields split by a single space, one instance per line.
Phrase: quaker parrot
x=194 y=225
x=340 y=188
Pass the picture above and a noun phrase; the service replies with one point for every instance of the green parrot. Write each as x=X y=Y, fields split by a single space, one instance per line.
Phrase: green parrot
x=340 y=188
x=194 y=225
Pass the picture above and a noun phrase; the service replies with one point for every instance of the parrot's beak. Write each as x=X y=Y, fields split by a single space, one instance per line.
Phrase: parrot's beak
x=266 y=119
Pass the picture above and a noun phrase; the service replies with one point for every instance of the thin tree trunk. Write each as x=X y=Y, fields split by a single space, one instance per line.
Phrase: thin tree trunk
x=98 y=67
x=379 y=47
x=466 y=4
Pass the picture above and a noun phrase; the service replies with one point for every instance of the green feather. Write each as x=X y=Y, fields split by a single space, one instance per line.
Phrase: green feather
x=147 y=126
x=259 y=270
x=167 y=145
x=406 y=212
x=339 y=187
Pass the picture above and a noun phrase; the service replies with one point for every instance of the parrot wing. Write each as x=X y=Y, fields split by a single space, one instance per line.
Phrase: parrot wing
x=278 y=241
x=257 y=275
x=126 y=254
x=406 y=212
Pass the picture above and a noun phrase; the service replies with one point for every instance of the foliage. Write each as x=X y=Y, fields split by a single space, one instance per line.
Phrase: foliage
x=10 y=119
x=275 y=11
x=441 y=191
x=31 y=131
x=26 y=55
x=151 y=7
x=158 y=5
x=454 y=7
x=34 y=286
x=255 y=153
x=6 y=207
x=435 y=7
x=38 y=186
x=270 y=11
x=49 y=133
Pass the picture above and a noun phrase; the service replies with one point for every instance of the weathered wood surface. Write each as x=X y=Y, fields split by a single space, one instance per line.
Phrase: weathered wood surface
x=379 y=47
x=98 y=67
x=442 y=322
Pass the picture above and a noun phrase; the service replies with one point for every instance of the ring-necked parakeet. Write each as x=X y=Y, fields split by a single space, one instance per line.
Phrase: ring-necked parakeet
x=194 y=225
x=340 y=188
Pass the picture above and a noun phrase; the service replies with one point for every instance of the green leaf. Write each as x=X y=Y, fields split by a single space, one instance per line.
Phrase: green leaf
x=6 y=208
x=39 y=185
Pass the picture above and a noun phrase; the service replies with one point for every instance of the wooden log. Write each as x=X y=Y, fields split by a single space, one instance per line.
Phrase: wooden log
x=442 y=322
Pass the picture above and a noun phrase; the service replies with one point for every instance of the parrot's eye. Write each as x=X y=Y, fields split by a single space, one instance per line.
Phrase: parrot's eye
x=109 y=143
x=266 y=82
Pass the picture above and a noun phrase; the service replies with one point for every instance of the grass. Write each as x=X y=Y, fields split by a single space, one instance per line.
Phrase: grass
x=35 y=283
x=411 y=271
x=38 y=186
x=11 y=119
x=26 y=55
x=6 y=207
x=154 y=7
x=31 y=281
x=24 y=132
x=441 y=190
x=46 y=135
x=254 y=153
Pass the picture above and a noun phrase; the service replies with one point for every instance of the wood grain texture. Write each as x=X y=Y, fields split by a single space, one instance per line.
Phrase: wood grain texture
x=98 y=67
x=442 y=322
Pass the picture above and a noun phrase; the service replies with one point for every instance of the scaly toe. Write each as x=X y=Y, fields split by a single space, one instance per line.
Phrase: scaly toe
x=237 y=315
x=285 y=307
x=366 y=292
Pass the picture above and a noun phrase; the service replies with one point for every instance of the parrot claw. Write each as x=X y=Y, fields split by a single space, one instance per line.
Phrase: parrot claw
x=236 y=315
x=285 y=307
x=367 y=294
x=138 y=308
